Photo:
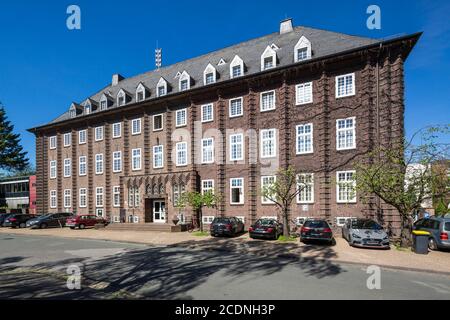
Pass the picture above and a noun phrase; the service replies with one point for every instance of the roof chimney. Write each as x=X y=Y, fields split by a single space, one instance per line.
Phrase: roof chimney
x=116 y=78
x=286 y=26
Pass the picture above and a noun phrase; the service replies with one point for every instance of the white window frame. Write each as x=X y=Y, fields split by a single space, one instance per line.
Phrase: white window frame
x=337 y=219
x=136 y=159
x=353 y=87
x=159 y=153
x=53 y=169
x=114 y=126
x=338 y=186
x=241 y=192
x=178 y=113
x=67 y=164
x=116 y=196
x=178 y=155
x=208 y=219
x=237 y=61
x=207 y=188
x=184 y=77
x=99 y=196
x=207 y=150
x=162 y=122
x=272 y=141
x=301 y=196
x=304 y=136
x=241 y=144
x=83 y=198
x=104 y=100
x=136 y=125
x=161 y=83
x=114 y=159
x=121 y=94
x=87 y=108
x=53 y=199
x=231 y=115
x=82 y=133
x=304 y=93
x=261 y=101
x=52 y=141
x=82 y=164
x=302 y=43
x=67 y=139
x=67 y=198
x=345 y=130
x=264 y=200
x=208 y=105
x=268 y=53
x=99 y=163
x=140 y=89
x=209 y=70
x=99 y=133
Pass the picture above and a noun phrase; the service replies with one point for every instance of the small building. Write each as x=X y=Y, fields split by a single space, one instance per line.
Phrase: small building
x=18 y=194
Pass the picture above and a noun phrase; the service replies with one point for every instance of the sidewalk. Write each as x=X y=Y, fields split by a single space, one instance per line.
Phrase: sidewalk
x=436 y=261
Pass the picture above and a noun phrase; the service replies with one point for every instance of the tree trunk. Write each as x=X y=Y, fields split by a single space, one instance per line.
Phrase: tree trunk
x=405 y=236
x=286 y=232
x=200 y=216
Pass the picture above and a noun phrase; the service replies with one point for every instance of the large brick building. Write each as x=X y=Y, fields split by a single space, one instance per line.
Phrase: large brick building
x=227 y=121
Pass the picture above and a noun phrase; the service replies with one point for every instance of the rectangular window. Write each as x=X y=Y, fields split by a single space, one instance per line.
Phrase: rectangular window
x=237 y=71
x=67 y=198
x=346 y=134
x=208 y=150
x=53 y=199
x=303 y=93
x=99 y=163
x=207 y=112
x=158 y=122
x=82 y=166
x=180 y=118
x=116 y=196
x=268 y=143
x=268 y=63
x=117 y=161
x=207 y=186
x=181 y=155
x=136 y=126
x=236 y=107
x=161 y=91
x=237 y=191
x=305 y=138
x=99 y=133
x=267 y=101
x=140 y=95
x=345 y=85
x=184 y=85
x=121 y=99
x=103 y=104
x=99 y=197
x=346 y=184
x=158 y=157
x=82 y=136
x=67 y=139
x=83 y=198
x=209 y=78
x=237 y=147
x=117 y=130
x=306 y=188
x=302 y=54
x=136 y=159
x=207 y=219
x=52 y=169
x=52 y=142
x=266 y=182
x=67 y=168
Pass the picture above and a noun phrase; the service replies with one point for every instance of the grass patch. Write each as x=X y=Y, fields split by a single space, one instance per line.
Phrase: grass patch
x=286 y=239
x=200 y=234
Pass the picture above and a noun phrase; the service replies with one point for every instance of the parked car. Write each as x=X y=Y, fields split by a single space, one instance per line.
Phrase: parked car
x=84 y=221
x=266 y=228
x=17 y=220
x=3 y=217
x=439 y=228
x=365 y=233
x=226 y=226
x=50 y=220
x=316 y=229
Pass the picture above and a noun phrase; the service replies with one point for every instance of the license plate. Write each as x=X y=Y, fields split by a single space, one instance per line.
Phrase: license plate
x=70 y=224
x=372 y=242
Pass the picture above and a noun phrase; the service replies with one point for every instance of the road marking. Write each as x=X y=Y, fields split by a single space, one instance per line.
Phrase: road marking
x=435 y=286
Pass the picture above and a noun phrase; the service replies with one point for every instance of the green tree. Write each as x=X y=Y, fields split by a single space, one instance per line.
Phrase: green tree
x=401 y=174
x=12 y=156
x=197 y=201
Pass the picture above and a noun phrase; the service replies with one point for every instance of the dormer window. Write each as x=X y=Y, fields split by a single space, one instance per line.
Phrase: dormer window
x=236 y=67
x=161 y=87
x=104 y=102
x=140 y=93
x=185 y=81
x=73 y=113
x=209 y=75
x=87 y=109
x=302 y=50
x=268 y=59
x=121 y=98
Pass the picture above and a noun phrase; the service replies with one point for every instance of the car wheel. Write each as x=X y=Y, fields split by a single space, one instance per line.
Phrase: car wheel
x=22 y=225
x=43 y=226
x=82 y=226
x=432 y=244
x=72 y=228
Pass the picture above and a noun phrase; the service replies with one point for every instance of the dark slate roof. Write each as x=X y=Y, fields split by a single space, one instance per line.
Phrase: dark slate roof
x=323 y=43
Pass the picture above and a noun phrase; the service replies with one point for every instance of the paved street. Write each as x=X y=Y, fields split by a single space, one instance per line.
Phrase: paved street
x=35 y=267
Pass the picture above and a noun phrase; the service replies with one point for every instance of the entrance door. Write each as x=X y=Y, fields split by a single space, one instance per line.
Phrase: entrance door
x=159 y=212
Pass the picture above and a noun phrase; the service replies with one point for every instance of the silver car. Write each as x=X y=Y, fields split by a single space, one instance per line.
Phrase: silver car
x=439 y=229
x=365 y=233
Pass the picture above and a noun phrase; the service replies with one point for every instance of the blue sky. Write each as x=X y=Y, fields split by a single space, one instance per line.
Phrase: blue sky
x=44 y=66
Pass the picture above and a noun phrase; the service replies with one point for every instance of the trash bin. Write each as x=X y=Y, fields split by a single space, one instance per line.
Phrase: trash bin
x=420 y=241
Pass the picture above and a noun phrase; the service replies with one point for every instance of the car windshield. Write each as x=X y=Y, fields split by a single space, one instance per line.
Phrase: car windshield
x=265 y=222
x=447 y=226
x=221 y=220
x=316 y=224
x=366 y=224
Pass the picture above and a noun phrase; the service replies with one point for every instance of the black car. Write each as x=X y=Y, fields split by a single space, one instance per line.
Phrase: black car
x=266 y=228
x=226 y=226
x=3 y=217
x=49 y=220
x=318 y=230
x=17 y=220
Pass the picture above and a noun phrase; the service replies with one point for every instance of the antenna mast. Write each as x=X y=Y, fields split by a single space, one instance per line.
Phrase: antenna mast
x=158 y=57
